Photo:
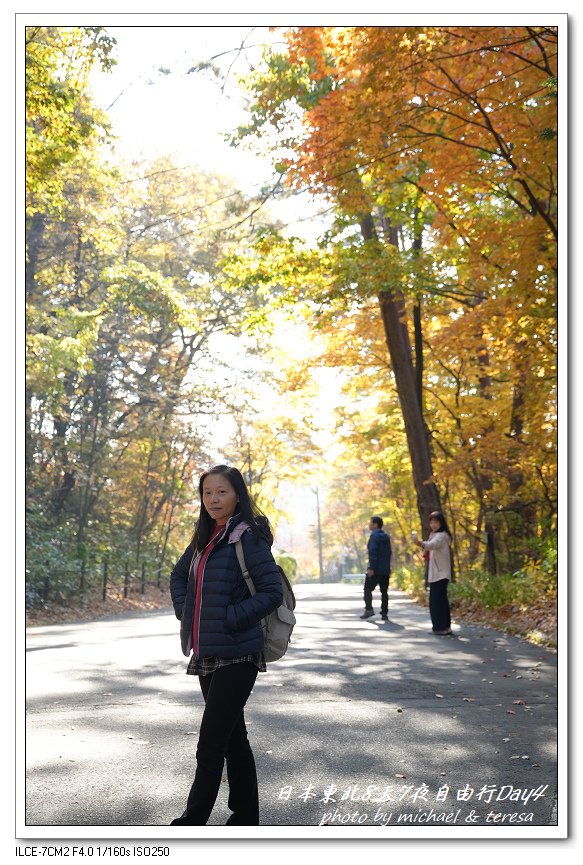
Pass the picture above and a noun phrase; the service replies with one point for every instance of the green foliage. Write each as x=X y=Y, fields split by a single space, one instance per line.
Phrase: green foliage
x=289 y=565
x=409 y=579
x=51 y=573
x=60 y=119
x=494 y=591
x=476 y=587
x=541 y=565
x=282 y=85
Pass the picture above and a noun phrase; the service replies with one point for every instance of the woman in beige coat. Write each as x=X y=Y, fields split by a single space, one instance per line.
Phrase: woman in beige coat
x=438 y=545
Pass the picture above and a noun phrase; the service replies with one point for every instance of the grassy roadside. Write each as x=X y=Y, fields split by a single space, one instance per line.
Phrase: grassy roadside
x=517 y=606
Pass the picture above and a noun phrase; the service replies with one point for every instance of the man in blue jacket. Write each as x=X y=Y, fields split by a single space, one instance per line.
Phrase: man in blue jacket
x=379 y=568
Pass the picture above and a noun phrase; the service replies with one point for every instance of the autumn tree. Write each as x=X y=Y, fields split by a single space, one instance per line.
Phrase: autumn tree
x=123 y=306
x=438 y=145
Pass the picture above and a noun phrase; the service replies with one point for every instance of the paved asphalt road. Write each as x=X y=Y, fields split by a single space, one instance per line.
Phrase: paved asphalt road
x=362 y=723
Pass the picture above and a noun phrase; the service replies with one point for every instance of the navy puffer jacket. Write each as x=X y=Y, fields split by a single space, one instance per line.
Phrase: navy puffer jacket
x=230 y=618
x=379 y=553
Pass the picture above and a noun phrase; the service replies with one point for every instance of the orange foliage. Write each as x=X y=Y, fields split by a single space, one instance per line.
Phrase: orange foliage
x=464 y=113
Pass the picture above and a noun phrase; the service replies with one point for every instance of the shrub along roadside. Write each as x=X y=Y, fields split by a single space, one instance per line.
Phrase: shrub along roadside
x=523 y=604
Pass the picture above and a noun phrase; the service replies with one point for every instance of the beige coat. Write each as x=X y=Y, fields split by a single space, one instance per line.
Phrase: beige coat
x=438 y=545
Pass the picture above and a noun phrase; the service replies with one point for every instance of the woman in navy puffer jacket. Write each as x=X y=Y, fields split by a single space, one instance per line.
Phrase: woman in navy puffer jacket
x=220 y=623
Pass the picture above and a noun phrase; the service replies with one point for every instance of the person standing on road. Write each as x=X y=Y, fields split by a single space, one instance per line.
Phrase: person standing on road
x=439 y=572
x=220 y=623
x=379 y=568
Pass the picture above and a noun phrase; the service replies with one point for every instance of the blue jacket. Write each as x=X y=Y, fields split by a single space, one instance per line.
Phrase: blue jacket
x=379 y=553
x=230 y=619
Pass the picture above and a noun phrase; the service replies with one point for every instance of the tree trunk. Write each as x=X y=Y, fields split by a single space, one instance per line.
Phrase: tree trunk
x=417 y=329
x=394 y=316
x=417 y=326
x=485 y=483
x=525 y=513
x=392 y=305
x=34 y=235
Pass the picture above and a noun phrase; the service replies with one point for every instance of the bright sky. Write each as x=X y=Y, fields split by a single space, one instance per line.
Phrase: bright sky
x=188 y=115
x=179 y=112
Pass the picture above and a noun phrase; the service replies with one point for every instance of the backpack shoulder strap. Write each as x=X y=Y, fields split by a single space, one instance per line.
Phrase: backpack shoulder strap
x=246 y=576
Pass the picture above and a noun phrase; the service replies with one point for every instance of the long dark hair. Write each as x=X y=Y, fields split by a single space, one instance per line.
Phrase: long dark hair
x=443 y=527
x=246 y=506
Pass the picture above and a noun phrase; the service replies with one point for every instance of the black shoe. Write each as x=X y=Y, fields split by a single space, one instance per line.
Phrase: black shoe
x=445 y=633
x=385 y=616
x=367 y=614
x=181 y=821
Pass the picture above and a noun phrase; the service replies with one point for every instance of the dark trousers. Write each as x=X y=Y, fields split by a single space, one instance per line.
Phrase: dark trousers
x=370 y=584
x=439 y=605
x=223 y=735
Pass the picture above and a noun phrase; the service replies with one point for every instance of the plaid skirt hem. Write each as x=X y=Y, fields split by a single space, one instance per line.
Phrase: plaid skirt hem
x=206 y=666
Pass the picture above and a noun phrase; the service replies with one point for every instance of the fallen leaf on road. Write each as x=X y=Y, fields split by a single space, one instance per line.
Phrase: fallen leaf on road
x=469 y=699
x=519 y=702
x=399 y=710
x=506 y=740
x=440 y=696
x=400 y=776
x=510 y=712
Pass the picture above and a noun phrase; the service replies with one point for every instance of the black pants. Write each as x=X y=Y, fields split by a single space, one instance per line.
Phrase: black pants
x=439 y=605
x=370 y=584
x=223 y=735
